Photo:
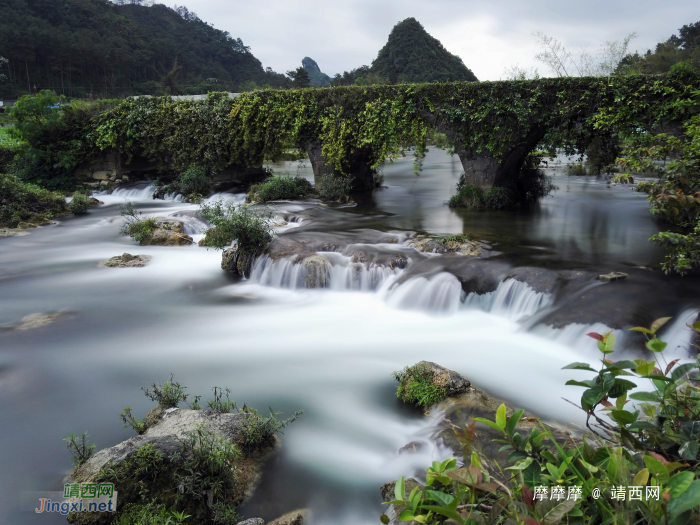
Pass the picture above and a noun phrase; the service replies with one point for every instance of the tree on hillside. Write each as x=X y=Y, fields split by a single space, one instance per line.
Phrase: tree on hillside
x=299 y=77
x=678 y=53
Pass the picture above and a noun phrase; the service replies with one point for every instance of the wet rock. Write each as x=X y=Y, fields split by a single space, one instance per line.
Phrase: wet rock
x=476 y=275
x=413 y=446
x=34 y=321
x=428 y=245
x=252 y=521
x=168 y=233
x=166 y=436
x=12 y=232
x=540 y=280
x=461 y=409
x=94 y=202
x=318 y=271
x=453 y=383
x=612 y=276
x=296 y=517
x=236 y=262
x=126 y=260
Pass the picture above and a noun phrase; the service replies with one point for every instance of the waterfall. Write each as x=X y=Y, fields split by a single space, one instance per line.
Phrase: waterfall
x=679 y=336
x=342 y=274
x=574 y=336
x=142 y=193
x=439 y=293
x=512 y=299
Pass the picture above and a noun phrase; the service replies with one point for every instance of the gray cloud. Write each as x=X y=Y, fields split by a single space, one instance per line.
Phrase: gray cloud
x=488 y=35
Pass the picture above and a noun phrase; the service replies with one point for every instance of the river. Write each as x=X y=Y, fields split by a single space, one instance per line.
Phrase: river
x=329 y=351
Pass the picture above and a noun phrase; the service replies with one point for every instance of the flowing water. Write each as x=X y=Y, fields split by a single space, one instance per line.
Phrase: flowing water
x=275 y=342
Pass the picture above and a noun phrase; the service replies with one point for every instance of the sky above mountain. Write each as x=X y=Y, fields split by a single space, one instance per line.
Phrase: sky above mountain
x=489 y=35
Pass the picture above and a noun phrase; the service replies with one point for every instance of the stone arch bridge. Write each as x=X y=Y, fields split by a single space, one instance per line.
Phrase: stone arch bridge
x=492 y=126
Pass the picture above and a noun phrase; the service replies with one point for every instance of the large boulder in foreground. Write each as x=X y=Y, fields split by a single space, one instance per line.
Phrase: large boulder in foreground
x=460 y=402
x=156 y=463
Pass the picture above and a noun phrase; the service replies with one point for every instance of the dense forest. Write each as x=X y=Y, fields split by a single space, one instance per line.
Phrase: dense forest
x=82 y=48
x=410 y=55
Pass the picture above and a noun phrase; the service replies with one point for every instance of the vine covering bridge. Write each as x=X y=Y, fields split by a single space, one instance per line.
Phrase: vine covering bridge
x=350 y=131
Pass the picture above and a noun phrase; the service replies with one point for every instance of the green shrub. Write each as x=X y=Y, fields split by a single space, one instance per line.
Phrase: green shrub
x=416 y=386
x=231 y=222
x=135 y=225
x=193 y=184
x=80 y=204
x=652 y=445
x=335 y=187
x=468 y=196
x=498 y=198
x=576 y=168
x=23 y=202
x=279 y=187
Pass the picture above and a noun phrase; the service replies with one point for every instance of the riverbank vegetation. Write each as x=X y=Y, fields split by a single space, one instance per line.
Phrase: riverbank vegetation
x=27 y=203
x=639 y=465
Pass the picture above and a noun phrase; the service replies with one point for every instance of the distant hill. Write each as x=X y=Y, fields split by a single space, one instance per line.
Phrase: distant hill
x=410 y=55
x=83 y=47
x=317 y=77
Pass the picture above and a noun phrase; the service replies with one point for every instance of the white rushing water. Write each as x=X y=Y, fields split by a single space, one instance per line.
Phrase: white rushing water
x=513 y=299
x=329 y=350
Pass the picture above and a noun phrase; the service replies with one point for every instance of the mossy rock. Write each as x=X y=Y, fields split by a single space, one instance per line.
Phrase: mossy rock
x=426 y=384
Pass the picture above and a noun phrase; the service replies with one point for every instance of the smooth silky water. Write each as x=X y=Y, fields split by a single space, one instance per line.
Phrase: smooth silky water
x=330 y=352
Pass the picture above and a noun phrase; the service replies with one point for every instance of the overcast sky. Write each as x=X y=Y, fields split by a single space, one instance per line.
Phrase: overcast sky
x=489 y=35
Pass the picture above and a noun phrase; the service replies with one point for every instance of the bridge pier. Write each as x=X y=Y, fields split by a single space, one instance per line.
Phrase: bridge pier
x=487 y=171
x=357 y=166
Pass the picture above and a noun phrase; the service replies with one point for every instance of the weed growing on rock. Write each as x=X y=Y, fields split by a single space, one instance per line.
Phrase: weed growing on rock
x=79 y=448
x=209 y=465
x=150 y=514
x=129 y=420
x=416 y=386
x=168 y=395
x=219 y=404
x=80 y=204
x=279 y=187
x=460 y=239
x=136 y=225
x=259 y=431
